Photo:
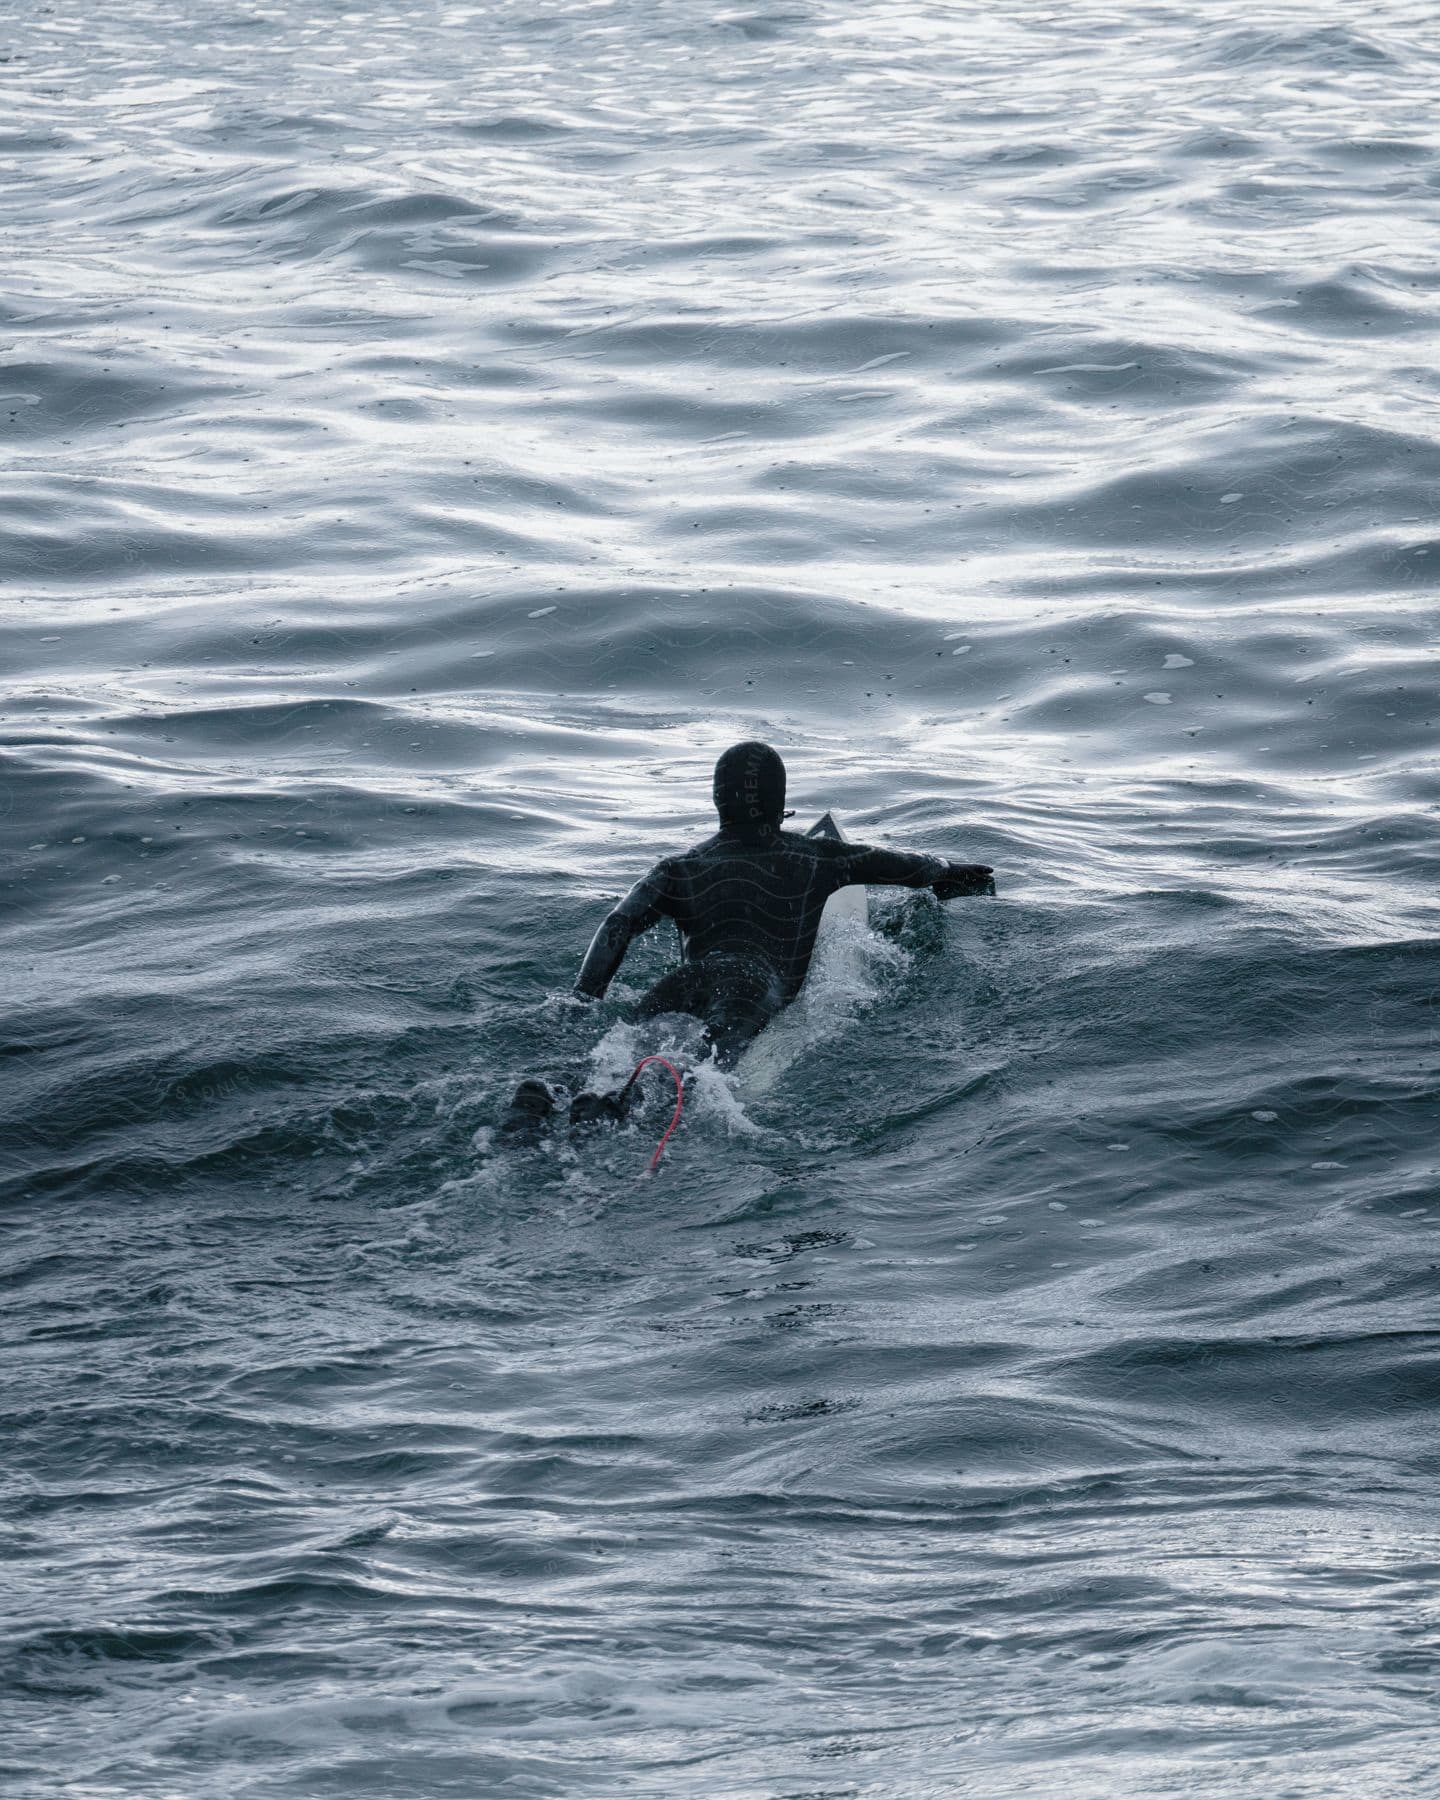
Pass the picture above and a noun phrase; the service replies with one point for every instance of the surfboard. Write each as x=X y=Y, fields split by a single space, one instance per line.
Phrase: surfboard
x=848 y=904
x=837 y=963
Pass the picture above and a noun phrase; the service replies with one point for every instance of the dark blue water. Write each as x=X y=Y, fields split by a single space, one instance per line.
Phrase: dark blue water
x=432 y=433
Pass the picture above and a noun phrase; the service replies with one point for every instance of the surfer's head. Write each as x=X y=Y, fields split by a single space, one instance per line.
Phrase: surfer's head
x=750 y=789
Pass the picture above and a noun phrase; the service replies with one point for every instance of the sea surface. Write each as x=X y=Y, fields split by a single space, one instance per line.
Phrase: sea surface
x=431 y=433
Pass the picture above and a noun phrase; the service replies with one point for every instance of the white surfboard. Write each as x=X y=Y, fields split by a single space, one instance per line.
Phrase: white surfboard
x=836 y=968
x=850 y=904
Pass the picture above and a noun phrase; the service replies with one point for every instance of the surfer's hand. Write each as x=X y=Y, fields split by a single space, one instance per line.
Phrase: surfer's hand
x=965 y=878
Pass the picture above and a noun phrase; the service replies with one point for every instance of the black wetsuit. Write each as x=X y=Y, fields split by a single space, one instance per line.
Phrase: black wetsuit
x=748 y=909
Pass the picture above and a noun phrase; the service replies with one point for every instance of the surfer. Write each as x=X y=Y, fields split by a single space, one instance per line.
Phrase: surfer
x=747 y=903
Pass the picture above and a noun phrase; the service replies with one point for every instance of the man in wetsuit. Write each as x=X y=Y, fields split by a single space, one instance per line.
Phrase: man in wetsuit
x=747 y=903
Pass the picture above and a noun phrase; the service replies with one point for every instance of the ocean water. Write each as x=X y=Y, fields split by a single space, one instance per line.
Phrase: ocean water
x=432 y=432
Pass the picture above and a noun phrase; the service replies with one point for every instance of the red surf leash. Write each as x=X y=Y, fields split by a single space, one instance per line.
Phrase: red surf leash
x=664 y=1063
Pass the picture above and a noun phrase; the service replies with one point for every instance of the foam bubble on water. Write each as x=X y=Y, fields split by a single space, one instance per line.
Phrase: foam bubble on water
x=1087 y=368
x=675 y=1036
x=713 y=1094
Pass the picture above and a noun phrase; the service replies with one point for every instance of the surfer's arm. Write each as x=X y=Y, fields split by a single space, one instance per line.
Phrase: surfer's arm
x=638 y=911
x=902 y=868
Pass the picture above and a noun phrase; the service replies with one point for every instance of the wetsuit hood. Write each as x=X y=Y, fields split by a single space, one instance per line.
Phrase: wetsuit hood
x=750 y=789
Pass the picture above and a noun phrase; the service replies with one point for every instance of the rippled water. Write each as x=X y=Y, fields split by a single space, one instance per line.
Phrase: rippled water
x=432 y=433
